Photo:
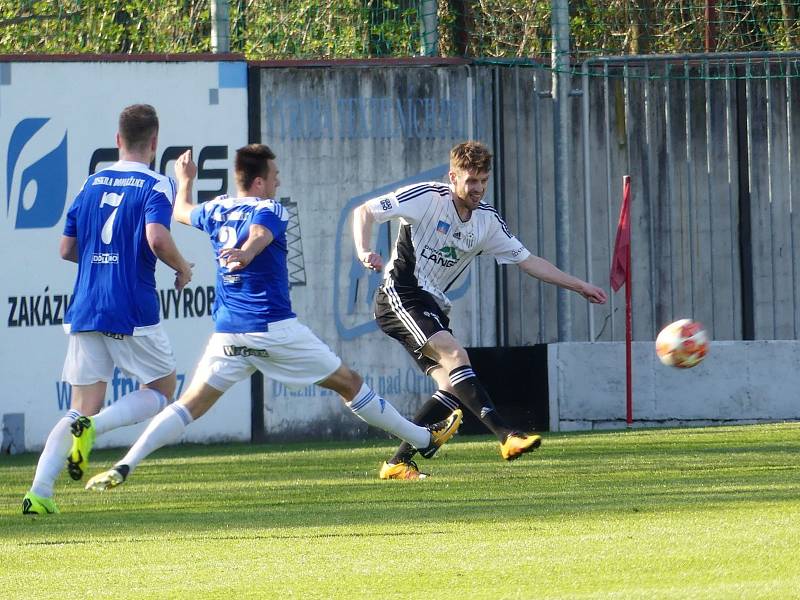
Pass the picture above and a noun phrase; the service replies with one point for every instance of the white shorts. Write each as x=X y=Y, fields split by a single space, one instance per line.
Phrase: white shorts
x=92 y=356
x=288 y=353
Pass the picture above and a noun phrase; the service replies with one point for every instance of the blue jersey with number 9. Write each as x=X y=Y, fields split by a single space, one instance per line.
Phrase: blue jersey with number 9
x=247 y=300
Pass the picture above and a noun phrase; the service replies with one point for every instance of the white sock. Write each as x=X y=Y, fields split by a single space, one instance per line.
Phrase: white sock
x=167 y=427
x=132 y=408
x=54 y=456
x=370 y=407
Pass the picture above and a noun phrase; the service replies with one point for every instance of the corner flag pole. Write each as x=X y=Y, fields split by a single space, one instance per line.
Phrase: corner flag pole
x=621 y=275
x=626 y=186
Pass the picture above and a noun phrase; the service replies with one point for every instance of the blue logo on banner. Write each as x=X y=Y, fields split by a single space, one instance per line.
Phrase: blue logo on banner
x=46 y=179
x=353 y=310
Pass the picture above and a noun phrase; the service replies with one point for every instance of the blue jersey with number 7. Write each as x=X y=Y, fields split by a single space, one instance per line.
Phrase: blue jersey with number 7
x=115 y=290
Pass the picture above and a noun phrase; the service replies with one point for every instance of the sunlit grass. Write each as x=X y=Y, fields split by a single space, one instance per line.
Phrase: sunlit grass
x=700 y=513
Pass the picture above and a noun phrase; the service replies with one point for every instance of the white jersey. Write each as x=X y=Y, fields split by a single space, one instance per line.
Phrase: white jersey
x=434 y=246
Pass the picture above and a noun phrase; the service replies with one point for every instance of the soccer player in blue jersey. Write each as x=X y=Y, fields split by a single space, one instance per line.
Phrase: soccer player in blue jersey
x=255 y=327
x=116 y=229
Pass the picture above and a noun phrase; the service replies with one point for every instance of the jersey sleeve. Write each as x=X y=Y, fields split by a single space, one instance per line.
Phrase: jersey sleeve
x=501 y=244
x=408 y=203
x=158 y=206
x=274 y=217
x=200 y=215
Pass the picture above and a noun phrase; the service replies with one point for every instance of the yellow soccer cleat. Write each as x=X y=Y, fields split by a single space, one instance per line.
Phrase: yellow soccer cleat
x=441 y=432
x=403 y=470
x=106 y=480
x=83 y=433
x=517 y=444
x=37 y=505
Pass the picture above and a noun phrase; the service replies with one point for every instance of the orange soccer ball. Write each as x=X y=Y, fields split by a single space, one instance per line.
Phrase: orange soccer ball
x=682 y=344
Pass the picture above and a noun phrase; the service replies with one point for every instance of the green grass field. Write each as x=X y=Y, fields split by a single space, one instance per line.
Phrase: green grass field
x=680 y=513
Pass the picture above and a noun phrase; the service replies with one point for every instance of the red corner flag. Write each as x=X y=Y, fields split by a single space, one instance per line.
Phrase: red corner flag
x=621 y=273
x=621 y=261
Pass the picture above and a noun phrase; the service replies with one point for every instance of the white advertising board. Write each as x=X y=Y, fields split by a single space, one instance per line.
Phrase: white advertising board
x=57 y=125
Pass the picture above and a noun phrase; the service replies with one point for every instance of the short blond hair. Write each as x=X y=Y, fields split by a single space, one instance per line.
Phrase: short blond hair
x=471 y=156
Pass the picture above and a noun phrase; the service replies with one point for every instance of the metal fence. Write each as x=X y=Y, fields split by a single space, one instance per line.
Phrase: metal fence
x=711 y=144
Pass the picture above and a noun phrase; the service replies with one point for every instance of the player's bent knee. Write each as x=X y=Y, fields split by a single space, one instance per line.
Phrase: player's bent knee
x=344 y=381
x=165 y=385
x=452 y=356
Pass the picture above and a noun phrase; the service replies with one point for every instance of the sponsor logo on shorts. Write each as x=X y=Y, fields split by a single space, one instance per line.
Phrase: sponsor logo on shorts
x=244 y=351
x=113 y=336
x=435 y=317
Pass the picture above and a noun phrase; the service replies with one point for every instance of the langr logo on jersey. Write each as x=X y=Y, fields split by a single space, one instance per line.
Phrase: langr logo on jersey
x=445 y=256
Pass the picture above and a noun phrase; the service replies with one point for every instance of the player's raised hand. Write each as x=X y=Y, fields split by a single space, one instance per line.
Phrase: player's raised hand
x=183 y=277
x=594 y=294
x=185 y=169
x=371 y=261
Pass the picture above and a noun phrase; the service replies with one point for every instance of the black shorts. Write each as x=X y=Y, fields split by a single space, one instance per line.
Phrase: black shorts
x=411 y=316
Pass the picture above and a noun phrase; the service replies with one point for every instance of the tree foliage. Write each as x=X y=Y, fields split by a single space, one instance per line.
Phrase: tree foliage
x=265 y=29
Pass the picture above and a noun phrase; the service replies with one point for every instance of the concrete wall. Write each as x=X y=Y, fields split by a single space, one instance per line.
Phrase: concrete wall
x=346 y=133
x=343 y=135
x=739 y=382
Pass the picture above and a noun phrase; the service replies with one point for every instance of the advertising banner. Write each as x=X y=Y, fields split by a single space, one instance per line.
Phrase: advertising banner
x=57 y=125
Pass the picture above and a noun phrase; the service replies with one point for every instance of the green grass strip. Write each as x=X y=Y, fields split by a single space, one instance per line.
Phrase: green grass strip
x=677 y=513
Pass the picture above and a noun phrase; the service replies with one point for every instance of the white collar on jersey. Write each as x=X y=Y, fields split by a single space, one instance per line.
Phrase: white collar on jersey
x=128 y=165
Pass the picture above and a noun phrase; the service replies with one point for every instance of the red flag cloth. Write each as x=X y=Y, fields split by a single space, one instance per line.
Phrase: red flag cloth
x=620 y=262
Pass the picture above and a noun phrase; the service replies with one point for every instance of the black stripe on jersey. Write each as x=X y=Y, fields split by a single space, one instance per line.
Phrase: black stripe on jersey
x=403 y=267
x=418 y=190
x=424 y=184
x=452 y=281
x=483 y=206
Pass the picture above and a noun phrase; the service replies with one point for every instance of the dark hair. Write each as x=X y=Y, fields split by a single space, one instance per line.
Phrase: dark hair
x=471 y=156
x=137 y=126
x=252 y=161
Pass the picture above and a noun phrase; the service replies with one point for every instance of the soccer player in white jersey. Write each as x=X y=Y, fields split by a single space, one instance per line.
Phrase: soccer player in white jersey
x=255 y=327
x=116 y=228
x=442 y=228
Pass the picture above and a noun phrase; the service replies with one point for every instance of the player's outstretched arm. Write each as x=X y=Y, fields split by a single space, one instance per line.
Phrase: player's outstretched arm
x=185 y=172
x=258 y=238
x=362 y=236
x=539 y=268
